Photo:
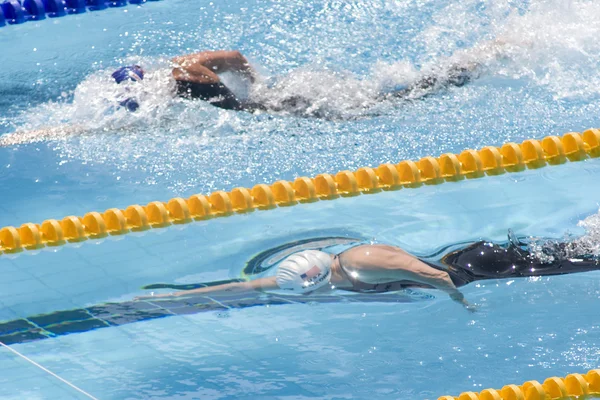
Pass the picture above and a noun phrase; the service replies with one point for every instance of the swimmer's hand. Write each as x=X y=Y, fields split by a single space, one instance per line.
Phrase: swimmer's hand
x=469 y=307
x=460 y=298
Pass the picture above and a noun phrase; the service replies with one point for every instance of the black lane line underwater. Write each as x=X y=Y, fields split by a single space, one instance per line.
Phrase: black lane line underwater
x=105 y=315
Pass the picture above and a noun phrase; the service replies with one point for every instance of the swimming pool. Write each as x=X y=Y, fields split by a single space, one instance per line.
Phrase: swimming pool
x=527 y=329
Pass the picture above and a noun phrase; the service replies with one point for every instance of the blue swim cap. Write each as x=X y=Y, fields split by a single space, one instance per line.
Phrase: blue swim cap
x=132 y=72
x=131 y=104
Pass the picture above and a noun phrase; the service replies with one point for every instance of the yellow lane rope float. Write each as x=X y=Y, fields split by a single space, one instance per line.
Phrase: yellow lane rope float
x=571 y=387
x=510 y=157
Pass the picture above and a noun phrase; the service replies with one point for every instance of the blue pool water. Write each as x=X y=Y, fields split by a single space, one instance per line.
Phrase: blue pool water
x=57 y=73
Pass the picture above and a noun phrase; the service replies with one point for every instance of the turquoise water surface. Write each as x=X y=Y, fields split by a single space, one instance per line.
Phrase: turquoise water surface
x=545 y=82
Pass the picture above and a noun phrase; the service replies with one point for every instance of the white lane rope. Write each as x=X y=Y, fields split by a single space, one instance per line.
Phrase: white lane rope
x=48 y=371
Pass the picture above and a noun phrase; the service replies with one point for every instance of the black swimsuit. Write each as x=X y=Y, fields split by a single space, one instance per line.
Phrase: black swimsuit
x=216 y=94
x=484 y=260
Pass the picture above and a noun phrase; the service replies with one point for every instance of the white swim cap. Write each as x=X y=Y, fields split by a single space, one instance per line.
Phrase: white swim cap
x=304 y=271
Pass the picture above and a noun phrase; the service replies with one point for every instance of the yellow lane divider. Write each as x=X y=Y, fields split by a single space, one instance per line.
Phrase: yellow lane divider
x=571 y=387
x=510 y=157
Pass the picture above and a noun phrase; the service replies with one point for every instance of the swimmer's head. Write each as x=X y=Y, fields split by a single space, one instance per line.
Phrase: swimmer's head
x=305 y=271
x=132 y=72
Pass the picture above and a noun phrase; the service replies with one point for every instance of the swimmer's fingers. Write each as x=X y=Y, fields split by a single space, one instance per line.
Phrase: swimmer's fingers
x=468 y=306
x=471 y=307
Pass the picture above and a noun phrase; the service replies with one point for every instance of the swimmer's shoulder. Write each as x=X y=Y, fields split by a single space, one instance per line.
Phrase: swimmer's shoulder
x=367 y=248
x=376 y=258
x=364 y=254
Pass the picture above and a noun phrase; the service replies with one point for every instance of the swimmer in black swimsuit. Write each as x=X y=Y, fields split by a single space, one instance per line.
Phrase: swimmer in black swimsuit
x=377 y=268
x=197 y=77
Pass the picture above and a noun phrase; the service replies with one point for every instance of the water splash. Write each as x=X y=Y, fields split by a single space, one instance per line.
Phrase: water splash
x=504 y=39
x=570 y=246
x=589 y=243
x=94 y=107
x=553 y=44
x=340 y=59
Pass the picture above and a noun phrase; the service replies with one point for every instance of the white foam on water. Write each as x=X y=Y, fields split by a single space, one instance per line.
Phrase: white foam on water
x=551 y=43
x=549 y=46
x=588 y=244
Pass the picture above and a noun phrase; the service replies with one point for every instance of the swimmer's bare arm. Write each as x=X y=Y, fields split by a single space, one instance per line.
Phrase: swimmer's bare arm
x=397 y=265
x=261 y=284
x=208 y=64
x=39 y=135
x=463 y=66
x=195 y=73
x=423 y=273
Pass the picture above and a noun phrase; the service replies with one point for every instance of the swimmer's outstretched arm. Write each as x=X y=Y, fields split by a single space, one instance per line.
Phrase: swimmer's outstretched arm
x=39 y=135
x=461 y=68
x=261 y=284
